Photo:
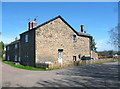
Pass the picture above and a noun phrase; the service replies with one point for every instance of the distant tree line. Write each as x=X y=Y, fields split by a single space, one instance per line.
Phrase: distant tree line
x=107 y=54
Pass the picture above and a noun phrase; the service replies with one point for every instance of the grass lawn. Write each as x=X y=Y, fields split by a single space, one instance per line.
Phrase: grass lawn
x=0 y=58
x=25 y=67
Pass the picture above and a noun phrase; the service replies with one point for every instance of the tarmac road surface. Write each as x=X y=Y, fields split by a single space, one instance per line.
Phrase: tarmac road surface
x=95 y=75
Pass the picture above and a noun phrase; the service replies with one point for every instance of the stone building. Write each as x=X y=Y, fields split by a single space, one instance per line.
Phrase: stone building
x=54 y=41
x=13 y=51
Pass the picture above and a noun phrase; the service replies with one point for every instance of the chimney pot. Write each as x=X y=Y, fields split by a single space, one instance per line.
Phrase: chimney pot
x=35 y=19
x=16 y=38
x=32 y=24
x=82 y=28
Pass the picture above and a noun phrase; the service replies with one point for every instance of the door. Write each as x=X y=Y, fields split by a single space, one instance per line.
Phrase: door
x=60 y=56
x=74 y=58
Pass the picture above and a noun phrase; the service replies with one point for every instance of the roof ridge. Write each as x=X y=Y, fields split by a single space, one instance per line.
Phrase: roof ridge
x=44 y=23
x=49 y=21
x=85 y=35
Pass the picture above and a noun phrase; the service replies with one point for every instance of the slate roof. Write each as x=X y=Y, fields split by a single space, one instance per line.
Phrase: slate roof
x=78 y=33
x=14 y=42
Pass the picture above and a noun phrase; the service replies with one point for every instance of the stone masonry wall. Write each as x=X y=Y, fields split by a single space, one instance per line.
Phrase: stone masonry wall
x=27 y=49
x=94 y=55
x=12 y=52
x=57 y=35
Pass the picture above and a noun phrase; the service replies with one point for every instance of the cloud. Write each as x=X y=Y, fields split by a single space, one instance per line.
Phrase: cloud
x=103 y=44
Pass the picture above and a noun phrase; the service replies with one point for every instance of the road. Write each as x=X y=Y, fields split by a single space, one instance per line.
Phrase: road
x=95 y=75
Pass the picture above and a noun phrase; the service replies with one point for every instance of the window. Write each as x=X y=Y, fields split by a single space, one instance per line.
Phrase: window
x=74 y=38
x=15 y=57
x=19 y=59
x=26 y=38
x=15 y=46
x=8 y=58
x=8 y=48
x=74 y=58
x=79 y=56
x=60 y=55
x=26 y=57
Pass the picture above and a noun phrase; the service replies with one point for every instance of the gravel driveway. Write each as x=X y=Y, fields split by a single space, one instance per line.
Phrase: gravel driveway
x=95 y=75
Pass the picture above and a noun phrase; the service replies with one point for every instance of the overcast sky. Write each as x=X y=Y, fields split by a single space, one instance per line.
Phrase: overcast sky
x=98 y=18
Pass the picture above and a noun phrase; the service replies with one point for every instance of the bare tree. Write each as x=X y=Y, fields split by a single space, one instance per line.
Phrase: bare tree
x=114 y=37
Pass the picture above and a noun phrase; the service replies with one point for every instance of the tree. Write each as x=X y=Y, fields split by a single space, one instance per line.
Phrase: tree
x=106 y=53
x=93 y=48
x=114 y=37
x=2 y=46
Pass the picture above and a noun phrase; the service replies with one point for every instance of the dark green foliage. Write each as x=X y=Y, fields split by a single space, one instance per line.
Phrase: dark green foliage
x=106 y=53
x=0 y=50
x=2 y=46
x=93 y=48
x=118 y=52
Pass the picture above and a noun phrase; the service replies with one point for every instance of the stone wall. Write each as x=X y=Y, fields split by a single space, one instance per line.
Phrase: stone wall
x=77 y=63
x=86 y=62
x=12 y=52
x=28 y=48
x=57 y=35
x=94 y=55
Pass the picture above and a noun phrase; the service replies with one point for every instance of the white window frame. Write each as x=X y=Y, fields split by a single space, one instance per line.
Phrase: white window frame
x=19 y=59
x=8 y=58
x=60 y=57
x=8 y=48
x=26 y=38
x=15 y=46
x=27 y=58
x=15 y=57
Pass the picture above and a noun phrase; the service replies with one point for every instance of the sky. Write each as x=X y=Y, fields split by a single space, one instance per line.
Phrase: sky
x=97 y=17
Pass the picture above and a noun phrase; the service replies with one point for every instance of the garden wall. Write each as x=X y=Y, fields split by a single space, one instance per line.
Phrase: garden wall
x=77 y=63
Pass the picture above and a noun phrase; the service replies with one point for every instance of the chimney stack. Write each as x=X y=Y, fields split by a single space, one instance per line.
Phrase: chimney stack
x=16 y=38
x=35 y=19
x=32 y=24
x=82 y=28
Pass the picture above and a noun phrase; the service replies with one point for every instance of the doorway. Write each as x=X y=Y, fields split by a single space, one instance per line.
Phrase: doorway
x=60 y=55
x=74 y=58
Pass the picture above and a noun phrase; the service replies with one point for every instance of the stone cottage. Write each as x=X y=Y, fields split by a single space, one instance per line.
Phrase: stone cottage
x=54 y=41
x=13 y=51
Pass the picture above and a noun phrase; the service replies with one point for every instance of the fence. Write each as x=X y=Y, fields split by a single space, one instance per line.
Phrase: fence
x=81 y=62
x=86 y=62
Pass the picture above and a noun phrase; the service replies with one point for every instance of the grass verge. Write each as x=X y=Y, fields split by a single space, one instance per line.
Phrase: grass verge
x=106 y=62
x=26 y=67
x=42 y=69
